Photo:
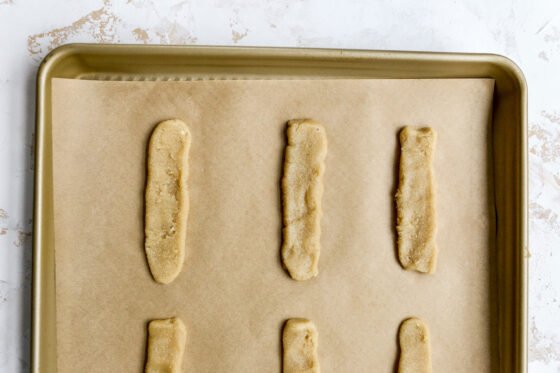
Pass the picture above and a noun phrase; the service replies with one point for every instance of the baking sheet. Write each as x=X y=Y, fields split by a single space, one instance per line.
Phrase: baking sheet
x=233 y=294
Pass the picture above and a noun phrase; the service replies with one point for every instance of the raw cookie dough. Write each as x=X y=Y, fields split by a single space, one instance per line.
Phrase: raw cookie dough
x=414 y=340
x=166 y=345
x=299 y=342
x=167 y=199
x=416 y=211
x=302 y=190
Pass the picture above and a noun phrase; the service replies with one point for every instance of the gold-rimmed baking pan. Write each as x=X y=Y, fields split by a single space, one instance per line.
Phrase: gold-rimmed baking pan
x=177 y=63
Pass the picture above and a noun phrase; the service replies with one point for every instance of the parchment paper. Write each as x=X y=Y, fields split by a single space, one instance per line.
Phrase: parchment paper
x=233 y=294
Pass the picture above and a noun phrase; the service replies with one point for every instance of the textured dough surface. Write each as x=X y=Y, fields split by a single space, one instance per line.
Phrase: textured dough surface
x=416 y=211
x=166 y=345
x=302 y=191
x=299 y=341
x=414 y=340
x=167 y=199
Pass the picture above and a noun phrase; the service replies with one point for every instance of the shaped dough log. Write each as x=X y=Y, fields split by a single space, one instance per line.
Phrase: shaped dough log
x=302 y=191
x=299 y=342
x=416 y=211
x=166 y=346
x=167 y=199
x=415 y=347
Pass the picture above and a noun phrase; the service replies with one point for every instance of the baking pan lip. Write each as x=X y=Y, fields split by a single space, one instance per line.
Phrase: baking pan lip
x=56 y=57
x=59 y=53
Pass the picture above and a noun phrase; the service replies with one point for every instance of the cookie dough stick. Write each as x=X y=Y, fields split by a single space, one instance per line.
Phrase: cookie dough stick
x=166 y=346
x=299 y=342
x=167 y=199
x=302 y=191
x=416 y=198
x=414 y=341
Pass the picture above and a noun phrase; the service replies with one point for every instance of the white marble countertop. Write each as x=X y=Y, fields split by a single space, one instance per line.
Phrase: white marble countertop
x=522 y=30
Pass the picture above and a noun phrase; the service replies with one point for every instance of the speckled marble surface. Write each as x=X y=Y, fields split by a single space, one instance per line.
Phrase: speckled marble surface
x=527 y=31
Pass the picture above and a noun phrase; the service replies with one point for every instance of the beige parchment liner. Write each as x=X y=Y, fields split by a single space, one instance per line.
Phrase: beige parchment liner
x=232 y=293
